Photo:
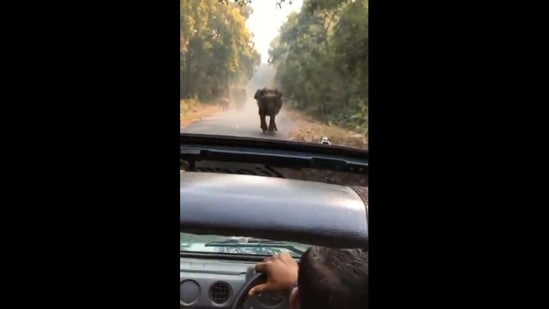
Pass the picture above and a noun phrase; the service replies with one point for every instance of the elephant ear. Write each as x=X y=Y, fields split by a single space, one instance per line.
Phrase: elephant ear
x=258 y=94
x=278 y=93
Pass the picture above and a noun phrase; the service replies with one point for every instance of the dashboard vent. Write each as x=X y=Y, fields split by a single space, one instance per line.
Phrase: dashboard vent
x=220 y=292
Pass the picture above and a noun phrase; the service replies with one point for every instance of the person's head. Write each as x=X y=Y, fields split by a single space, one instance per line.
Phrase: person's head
x=332 y=278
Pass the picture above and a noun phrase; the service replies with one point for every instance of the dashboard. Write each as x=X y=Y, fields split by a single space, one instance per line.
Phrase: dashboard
x=206 y=283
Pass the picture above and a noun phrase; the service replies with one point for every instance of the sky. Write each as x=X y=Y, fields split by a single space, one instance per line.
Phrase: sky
x=266 y=20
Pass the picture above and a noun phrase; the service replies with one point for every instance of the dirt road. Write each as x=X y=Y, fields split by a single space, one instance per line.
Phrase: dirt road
x=240 y=123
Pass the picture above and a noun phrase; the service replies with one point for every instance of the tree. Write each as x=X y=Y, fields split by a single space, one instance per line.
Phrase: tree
x=321 y=60
x=216 y=48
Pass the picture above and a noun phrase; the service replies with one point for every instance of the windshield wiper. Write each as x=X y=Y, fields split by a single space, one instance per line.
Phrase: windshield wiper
x=278 y=158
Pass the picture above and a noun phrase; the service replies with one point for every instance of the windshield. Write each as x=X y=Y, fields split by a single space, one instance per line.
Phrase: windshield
x=238 y=245
x=294 y=70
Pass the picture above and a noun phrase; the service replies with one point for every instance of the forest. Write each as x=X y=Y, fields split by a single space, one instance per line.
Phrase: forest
x=319 y=59
x=216 y=49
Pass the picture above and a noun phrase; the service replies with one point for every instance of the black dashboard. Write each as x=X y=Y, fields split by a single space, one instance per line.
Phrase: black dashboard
x=207 y=283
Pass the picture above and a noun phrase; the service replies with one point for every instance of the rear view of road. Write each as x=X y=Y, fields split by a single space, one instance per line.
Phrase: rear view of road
x=240 y=123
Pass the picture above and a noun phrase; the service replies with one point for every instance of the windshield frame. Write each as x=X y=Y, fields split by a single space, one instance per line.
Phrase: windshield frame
x=204 y=139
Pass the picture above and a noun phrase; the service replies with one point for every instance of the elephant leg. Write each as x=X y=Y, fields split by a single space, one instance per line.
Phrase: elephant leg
x=272 y=123
x=263 y=123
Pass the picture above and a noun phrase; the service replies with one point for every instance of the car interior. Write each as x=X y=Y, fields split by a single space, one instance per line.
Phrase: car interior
x=231 y=218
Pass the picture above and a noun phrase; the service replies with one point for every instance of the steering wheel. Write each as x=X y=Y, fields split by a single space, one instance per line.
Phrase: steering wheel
x=253 y=302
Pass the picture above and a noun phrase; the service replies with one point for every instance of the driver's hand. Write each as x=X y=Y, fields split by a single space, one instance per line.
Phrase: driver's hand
x=281 y=271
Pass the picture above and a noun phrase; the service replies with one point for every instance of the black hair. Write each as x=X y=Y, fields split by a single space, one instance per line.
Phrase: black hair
x=333 y=279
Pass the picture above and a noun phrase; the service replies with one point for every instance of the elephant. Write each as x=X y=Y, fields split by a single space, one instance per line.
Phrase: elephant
x=269 y=103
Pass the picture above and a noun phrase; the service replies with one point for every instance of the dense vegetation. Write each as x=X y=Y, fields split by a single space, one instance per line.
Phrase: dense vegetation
x=321 y=60
x=216 y=48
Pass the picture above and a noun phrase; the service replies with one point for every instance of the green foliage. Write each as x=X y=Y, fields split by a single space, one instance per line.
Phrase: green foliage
x=216 y=48
x=243 y=3
x=321 y=58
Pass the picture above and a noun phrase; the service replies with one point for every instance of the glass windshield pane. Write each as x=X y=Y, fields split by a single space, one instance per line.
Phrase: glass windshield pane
x=294 y=70
x=238 y=245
